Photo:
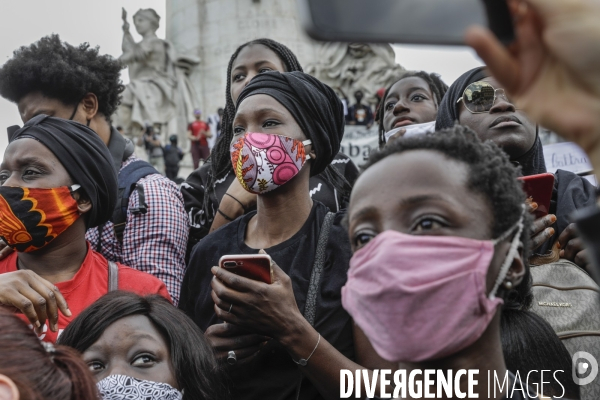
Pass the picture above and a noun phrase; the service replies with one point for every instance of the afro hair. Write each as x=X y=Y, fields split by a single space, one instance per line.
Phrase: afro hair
x=64 y=72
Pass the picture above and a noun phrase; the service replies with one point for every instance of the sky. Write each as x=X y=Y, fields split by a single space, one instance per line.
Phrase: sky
x=99 y=23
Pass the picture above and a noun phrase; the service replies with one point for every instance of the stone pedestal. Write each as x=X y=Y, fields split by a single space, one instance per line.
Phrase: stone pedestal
x=213 y=29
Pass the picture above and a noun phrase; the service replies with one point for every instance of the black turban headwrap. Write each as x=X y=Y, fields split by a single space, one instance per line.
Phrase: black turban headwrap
x=314 y=106
x=531 y=163
x=85 y=157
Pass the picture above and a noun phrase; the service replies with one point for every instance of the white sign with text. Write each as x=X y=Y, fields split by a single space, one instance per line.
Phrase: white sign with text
x=566 y=156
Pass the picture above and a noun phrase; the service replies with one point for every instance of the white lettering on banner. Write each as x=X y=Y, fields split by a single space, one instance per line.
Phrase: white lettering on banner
x=566 y=156
x=358 y=142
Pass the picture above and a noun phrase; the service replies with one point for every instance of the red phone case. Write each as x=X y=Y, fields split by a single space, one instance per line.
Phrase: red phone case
x=252 y=266
x=539 y=189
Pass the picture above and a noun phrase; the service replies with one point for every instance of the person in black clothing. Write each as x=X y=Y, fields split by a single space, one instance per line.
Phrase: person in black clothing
x=205 y=188
x=513 y=131
x=271 y=327
x=173 y=155
x=359 y=113
x=543 y=58
x=420 y=286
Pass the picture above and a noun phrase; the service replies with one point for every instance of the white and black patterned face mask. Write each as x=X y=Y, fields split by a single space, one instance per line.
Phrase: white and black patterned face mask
x=122 y=387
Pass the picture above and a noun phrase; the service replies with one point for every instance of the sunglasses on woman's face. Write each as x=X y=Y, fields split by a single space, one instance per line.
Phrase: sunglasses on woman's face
x=479 y=97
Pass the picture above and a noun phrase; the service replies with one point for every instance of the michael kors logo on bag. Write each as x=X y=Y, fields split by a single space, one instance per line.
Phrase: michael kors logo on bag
x=553 y=304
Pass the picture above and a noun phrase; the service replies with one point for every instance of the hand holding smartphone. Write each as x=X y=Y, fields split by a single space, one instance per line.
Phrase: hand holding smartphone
x=258 y=267
x=539 y=190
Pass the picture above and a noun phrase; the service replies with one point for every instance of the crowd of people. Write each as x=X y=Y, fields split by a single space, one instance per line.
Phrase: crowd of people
x=111 y=279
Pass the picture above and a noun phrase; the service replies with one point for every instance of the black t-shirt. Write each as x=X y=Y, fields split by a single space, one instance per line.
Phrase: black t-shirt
x=273 y=374
x=194 y=190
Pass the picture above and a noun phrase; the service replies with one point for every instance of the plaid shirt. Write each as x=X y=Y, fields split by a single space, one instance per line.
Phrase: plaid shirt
x=154 y=242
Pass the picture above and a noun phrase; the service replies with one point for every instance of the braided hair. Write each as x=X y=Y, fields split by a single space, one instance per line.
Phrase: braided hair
x=220 y=157
x=436 y=85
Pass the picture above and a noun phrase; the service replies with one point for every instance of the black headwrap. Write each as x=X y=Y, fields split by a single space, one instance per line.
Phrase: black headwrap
x=314 y=106
x=448 y=110
x=85 y=157
x=531 y=163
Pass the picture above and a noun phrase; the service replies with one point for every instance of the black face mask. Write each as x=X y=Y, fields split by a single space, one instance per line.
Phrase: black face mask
x=75 y=112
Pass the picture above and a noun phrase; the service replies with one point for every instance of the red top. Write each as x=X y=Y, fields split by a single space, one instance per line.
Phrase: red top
x=88 y=285
x=197 y=127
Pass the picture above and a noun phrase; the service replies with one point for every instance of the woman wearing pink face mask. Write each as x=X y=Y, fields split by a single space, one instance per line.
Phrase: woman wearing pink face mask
x=438 y=248
x=290 y=337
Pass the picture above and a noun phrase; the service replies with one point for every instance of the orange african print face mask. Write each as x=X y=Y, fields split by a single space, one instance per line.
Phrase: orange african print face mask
x=32 y=218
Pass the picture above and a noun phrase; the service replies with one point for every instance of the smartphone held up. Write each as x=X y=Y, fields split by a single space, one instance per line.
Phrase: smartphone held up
x=539 y=190
x=441 y=22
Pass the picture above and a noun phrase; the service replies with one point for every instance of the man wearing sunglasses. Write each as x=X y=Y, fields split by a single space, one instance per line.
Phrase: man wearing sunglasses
x=476 y=100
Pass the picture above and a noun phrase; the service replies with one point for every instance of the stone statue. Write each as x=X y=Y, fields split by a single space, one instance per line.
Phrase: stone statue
x=159 y=91
x=349 y=67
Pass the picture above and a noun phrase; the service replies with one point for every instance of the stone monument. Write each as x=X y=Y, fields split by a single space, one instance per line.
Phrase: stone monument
x=211 y=30
x=159 y=92
x=348 y=67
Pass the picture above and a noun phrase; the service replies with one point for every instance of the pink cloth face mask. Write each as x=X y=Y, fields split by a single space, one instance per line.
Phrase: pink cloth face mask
x=420 y=297
x=263 y=162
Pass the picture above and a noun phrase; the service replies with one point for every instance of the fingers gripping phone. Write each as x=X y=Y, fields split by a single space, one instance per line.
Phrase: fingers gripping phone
x=258 y=267
x=539 y=189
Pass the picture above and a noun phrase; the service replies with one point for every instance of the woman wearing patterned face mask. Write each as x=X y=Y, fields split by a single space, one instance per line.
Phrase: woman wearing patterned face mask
x=214 y=185
x=57 y=181
x=290 y=337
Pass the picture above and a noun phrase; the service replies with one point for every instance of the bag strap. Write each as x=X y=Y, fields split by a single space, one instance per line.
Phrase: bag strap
x=128 y=178
x=310 y=309
x=113 y=276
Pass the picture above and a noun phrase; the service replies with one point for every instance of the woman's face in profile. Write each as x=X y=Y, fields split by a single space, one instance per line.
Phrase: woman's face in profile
x=421 y=192
x=132 y=346
x=28 y=163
